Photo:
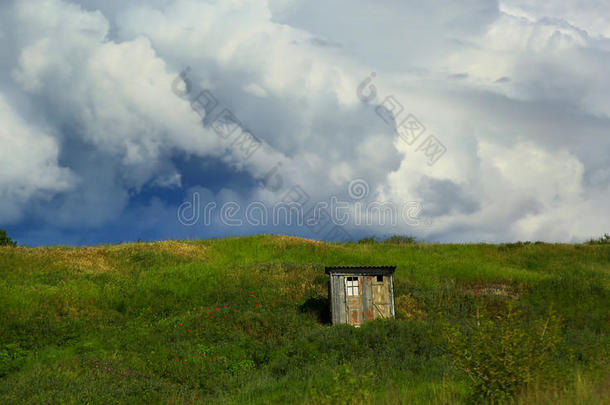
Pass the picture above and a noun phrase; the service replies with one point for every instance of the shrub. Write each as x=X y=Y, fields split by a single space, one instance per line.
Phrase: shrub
x=11 y=358
x=501 y=354
x=368 y=241
x=346 y=388
x=5 y=240
x=604 y=240
x=400 y=240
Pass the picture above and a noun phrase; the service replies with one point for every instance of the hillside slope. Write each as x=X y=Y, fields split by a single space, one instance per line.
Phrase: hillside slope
x=244 y=320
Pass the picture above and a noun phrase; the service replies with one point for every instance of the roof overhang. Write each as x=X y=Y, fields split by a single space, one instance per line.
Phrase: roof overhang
x=361 y=270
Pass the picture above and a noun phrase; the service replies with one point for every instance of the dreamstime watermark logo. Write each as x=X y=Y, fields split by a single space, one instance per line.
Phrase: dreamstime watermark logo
x=408 y=128
x=358 y=189
x=290 y=212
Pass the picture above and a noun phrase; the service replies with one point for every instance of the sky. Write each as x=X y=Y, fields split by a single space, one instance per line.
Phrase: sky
x=472 y=121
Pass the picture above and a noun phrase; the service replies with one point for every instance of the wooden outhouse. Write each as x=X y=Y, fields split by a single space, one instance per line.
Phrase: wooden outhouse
x=359 y=294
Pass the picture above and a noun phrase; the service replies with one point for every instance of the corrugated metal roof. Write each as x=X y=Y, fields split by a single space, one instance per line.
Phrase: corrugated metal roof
x=360 y=269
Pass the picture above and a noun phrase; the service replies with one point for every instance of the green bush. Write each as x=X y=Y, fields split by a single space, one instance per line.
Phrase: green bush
x=5 y=240
x=604 y=240
x=400 y=240
x=502 y=354
x=11 y=358
x=367 y=241
x=515 y=245
x=345 y=388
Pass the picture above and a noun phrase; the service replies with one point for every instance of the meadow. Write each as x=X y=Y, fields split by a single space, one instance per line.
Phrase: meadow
x=245 y=320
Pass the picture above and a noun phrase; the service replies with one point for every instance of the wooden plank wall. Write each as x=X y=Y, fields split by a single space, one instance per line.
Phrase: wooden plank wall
x=339 y=314
x=369 y=286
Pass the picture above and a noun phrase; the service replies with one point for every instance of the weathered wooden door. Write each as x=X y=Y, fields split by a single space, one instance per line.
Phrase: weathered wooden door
x=367 y=298
x=353 y=299
x=382 y=306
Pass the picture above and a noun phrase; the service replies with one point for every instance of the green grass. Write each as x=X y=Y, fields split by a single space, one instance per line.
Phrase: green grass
x=239 y=320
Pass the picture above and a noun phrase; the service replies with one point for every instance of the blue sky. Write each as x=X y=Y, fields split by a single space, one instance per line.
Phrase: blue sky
x=453 y=122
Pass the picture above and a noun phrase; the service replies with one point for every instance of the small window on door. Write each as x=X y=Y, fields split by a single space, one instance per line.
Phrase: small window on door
x=352 y=286
x=380 y=279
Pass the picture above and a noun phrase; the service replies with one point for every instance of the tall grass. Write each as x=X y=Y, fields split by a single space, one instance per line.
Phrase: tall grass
x=241 y=320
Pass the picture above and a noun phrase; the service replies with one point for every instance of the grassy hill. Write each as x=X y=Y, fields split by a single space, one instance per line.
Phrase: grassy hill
x=244 y=320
